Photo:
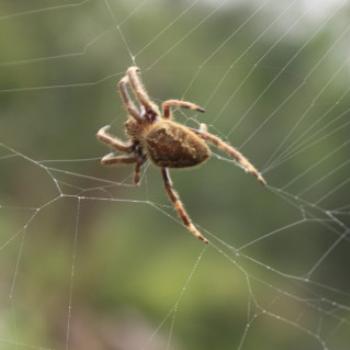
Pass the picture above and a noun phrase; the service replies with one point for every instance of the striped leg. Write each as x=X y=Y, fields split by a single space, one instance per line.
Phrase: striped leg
x=174 y=197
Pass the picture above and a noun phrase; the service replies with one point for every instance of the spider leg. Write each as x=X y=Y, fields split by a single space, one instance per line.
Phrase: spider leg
x=112 y=159
x=231 y=151
x=203 y=127
x=128 y=103
x=166 y=107
x=140 y=90
x=174 y=197
x=113 y=141
x=137 y=172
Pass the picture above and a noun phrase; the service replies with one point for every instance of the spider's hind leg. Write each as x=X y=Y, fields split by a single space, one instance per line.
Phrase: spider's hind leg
x=174 y=197
x=231 y=151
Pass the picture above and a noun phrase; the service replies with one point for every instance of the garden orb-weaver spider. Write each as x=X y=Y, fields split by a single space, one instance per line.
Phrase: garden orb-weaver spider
x=155 y=135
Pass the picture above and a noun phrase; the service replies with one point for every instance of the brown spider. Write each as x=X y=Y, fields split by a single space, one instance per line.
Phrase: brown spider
x=168 y=144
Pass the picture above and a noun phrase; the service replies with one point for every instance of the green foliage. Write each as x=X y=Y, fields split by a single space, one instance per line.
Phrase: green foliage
x=57 y=88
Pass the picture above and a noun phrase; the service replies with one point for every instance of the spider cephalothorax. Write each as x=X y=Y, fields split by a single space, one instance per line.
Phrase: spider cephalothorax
x=154 y=135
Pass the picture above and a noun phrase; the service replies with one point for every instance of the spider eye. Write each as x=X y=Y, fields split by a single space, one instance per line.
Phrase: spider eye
x=151 y=115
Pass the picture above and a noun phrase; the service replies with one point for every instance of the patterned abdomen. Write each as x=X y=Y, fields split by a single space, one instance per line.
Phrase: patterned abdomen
x=172 y=145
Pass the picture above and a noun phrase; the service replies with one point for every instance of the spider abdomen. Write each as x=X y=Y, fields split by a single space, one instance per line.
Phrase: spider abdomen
x=172 y=145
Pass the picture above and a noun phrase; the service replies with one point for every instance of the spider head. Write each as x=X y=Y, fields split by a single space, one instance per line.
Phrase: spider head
x=135 y=128
x=150 y=113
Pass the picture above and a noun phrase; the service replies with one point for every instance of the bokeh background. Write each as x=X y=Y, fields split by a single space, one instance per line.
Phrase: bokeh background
x=104 y=271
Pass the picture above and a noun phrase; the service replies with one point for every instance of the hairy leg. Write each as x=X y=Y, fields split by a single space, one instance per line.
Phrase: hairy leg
x=140 y=91
x=137 y=172
x=174 y=197
x=167 y=105
x=112 y=141
x=128 y=103
x=111 y=159
x=231 y=151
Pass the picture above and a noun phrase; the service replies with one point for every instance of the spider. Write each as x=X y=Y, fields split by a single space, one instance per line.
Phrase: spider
x=153 y=134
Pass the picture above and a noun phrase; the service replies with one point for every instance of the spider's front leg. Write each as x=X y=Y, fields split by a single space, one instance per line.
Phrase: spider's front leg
x=231 y=151
x=128 y=103
x=174 y=197
x=167 y=105
x=139 y=90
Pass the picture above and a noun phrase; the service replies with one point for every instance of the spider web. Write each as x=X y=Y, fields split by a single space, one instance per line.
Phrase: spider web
x=77 y=269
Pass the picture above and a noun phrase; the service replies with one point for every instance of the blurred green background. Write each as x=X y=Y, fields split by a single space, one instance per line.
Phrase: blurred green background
x=105 y=271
